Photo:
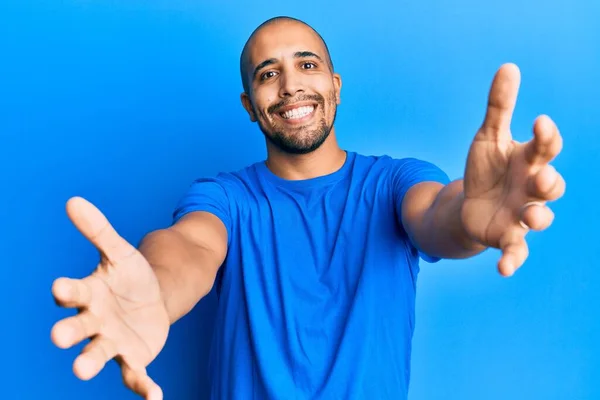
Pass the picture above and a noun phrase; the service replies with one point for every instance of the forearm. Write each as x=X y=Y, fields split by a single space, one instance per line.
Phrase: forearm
x=186 y=272
x=441 y=231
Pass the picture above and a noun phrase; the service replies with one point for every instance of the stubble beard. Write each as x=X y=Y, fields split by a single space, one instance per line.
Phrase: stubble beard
x=302 y=139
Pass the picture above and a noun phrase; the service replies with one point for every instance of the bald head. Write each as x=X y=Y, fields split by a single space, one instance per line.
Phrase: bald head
x=246 y=64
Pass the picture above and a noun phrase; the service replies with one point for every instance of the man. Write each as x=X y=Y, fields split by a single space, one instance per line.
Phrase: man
x=314 y=252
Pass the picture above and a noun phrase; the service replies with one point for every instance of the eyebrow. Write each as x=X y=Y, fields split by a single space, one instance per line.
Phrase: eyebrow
x=270 y=61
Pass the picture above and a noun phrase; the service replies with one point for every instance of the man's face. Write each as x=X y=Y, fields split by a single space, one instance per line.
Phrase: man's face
x=293 y=94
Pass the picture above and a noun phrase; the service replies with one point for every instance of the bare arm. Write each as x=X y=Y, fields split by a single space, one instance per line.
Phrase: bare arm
x=431 y=214
x=185 y=259
x=503 y=194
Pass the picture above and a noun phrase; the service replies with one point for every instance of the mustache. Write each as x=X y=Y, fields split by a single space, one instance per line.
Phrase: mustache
x=305 y=97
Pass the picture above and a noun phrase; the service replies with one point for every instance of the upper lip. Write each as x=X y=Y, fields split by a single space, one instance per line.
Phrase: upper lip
x=297 y=105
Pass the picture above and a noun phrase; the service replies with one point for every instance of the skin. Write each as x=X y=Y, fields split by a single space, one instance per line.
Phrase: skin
x=126 y=306
x=296 y=150
x=501 y=181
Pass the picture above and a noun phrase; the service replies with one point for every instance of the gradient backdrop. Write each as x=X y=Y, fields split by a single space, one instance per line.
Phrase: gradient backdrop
x=126 y=102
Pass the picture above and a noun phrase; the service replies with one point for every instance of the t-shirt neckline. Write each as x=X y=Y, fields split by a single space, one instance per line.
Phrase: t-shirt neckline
x=335 y=176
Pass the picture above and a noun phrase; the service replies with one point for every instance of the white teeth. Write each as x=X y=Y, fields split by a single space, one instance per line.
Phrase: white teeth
x=298 y=112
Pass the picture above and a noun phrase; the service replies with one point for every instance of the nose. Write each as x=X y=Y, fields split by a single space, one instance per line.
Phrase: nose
x=291 y=84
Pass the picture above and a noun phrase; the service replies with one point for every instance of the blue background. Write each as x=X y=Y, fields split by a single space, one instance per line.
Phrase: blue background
x=126 y=102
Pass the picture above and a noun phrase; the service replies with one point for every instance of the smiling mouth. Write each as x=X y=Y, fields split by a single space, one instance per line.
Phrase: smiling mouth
x=298 y=114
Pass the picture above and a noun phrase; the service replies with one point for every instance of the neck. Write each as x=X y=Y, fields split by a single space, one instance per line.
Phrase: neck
x=327 y=159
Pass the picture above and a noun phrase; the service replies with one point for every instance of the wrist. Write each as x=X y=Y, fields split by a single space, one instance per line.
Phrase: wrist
x=468 y=240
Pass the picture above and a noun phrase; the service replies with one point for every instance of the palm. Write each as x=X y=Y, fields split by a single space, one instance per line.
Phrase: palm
x=126 y=297
x=120 y=306
x=487 y=177
x=502 y=175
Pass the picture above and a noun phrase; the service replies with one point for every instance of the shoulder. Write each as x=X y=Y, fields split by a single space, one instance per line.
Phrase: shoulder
x=230 y=182
x=393 y=166
x=397 y=174
x=371 y=162
x=219 y=194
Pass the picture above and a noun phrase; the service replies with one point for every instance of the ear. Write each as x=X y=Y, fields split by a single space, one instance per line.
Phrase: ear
x=337 y=85
x=247 y=103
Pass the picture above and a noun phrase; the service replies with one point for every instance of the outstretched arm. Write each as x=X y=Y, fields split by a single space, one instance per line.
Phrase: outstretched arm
x=185 y=258
x=431 y=214
x=504 y=192
x=127 y=304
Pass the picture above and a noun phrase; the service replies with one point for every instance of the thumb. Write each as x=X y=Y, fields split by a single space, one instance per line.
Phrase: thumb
x=501 y=103
x=140 y=383
x=95 y=227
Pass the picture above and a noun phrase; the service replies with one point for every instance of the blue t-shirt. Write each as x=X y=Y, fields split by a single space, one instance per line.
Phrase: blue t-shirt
x=317 y=292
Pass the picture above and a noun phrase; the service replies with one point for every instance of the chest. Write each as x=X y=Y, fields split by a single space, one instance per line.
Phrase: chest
x=317 y=229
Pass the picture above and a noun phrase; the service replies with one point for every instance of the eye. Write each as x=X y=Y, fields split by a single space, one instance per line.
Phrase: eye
x=309 y=65
x=267 y=75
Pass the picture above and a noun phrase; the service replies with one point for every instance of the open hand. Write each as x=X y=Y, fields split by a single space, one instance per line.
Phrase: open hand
x=507 y=184
x=120 y=307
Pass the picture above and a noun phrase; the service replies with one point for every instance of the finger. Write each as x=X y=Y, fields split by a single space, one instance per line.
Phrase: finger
x=71 y=331
x=72 y=293
x=547 y=184
x=140 y=383
x=546 y=143
x=501 y=103
x=95 y=227
x=94 y=357
x=514 y=251
x=537 y=217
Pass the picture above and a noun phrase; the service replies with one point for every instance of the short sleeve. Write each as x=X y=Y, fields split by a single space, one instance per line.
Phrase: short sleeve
x=209 y=195
x=408 y=172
